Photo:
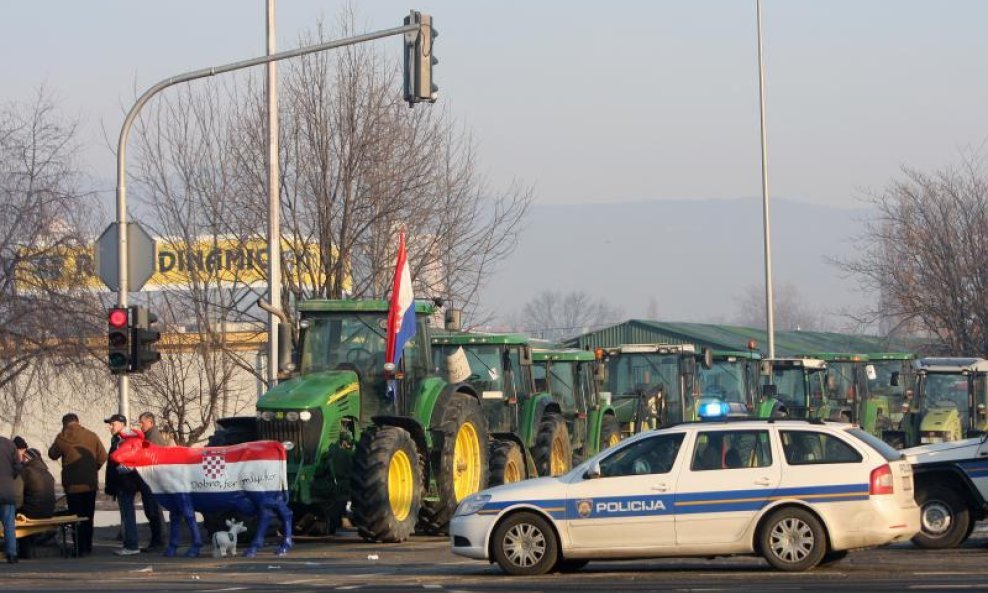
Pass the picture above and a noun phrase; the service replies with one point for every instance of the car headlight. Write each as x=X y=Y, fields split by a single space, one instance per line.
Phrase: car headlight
x=472 y=504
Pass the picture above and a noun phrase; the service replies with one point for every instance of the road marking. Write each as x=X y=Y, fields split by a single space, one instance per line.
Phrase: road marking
x=949 y=586
x=944 y=573
x=298 y=581
x=348 y=587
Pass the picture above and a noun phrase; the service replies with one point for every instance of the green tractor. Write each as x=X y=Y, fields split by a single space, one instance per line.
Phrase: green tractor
x=952 y=396
x=847 y=396
x=890 y=390
x=650 y=385
x=586 y=422
x=730 y=377
x=499 y=367
x=793 y=388
x=402 y=457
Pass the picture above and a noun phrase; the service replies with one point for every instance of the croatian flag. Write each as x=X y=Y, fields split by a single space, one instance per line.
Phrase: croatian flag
x=401 y=315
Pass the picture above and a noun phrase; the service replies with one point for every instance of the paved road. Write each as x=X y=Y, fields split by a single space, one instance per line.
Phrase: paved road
x=425 y=564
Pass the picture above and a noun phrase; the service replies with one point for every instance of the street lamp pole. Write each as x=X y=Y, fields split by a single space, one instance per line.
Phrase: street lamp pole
x=124 y=287
x=769 y=308
x=274 y=204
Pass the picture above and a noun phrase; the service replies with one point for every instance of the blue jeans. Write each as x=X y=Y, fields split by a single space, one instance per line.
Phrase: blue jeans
x=128 y=519
x=7 y=512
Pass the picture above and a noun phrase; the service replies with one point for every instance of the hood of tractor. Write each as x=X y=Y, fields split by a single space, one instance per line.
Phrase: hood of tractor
x=309 y=391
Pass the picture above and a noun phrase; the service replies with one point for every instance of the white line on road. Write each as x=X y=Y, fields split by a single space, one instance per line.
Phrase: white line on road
x=944 y=573
x=949 y=586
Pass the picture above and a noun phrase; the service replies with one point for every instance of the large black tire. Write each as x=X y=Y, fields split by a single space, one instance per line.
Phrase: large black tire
x=610 y=432
x=524 y=544
x=553 y=452
x=460 y=462
x=385 y=500
x=945 y=518
x=792 y=539
x=507 y=463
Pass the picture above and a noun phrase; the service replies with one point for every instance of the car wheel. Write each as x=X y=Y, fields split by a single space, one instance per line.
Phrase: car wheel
x=525 y=544
x=944 y=518
x=792 y=539
x=570 y=564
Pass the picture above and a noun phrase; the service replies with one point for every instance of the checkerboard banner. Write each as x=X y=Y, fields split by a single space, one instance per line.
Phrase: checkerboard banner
x=213 y=465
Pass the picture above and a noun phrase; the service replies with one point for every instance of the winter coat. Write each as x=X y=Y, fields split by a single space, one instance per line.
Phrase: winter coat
x=82 y=454
x=10 y=467
x=120 y=479
x=155 y=437
x=39 y=487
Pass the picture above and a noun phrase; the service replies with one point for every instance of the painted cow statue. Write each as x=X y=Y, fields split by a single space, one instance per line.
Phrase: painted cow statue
x=249 y=479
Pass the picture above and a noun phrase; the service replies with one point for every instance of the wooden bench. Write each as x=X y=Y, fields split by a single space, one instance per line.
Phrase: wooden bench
x=62 y=524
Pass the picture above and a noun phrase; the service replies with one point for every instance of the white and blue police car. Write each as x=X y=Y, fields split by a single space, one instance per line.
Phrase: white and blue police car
x=799 y=493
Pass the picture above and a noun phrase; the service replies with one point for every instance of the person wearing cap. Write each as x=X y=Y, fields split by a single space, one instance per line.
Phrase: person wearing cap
x=82 y=454
x=152 y=510
x=10 y=467
x=123 y=484
x=39 y=484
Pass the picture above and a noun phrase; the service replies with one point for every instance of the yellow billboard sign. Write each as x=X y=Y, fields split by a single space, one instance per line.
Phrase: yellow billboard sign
x=209 y=262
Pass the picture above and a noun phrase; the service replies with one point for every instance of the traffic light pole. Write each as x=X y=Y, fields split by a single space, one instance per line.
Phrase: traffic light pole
x=122 y=292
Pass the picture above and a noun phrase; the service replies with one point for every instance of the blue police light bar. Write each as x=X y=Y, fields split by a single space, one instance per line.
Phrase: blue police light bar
x=713 y=410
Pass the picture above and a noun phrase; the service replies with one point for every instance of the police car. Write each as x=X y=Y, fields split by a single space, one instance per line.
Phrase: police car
x=797 y=492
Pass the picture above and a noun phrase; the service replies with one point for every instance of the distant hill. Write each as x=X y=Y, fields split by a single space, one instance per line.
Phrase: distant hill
x=695 y=257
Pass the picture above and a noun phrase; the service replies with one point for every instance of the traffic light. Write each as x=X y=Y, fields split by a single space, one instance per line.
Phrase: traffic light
x=118 y=338
x=419 y=60
x=143 y=339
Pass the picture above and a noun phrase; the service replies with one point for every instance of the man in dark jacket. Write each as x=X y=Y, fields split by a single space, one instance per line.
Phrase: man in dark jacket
x=39 y=484
x=152 y=510
x=82 y=455
x=10 y=467
x=123 y=484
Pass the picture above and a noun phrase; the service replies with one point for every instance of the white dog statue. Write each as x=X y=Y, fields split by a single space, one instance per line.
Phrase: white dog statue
x=226 y=541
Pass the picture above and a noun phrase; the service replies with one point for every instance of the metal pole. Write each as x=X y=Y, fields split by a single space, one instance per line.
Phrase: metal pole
x=274 y=204
x=123 y=384
x=769 y=309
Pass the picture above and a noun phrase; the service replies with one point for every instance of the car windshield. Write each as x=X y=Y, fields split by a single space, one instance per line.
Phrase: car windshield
x=945 y=390
x=725 y=380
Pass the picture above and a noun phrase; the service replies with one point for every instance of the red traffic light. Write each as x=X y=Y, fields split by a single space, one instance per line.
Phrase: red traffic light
x=118 y=318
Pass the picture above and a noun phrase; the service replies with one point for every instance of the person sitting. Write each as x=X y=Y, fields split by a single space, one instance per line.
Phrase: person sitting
x=39 y=484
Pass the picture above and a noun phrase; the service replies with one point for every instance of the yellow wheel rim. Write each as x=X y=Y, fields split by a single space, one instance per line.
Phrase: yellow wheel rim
x=466 y=462
x=615 y=439
x=557 y=457
x=401 y=485
x=512 y=472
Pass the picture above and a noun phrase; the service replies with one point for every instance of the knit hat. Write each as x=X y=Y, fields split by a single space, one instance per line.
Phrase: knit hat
x=20 y=443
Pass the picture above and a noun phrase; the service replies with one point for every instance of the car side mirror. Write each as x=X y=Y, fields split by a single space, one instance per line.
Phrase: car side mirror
x=593 y=473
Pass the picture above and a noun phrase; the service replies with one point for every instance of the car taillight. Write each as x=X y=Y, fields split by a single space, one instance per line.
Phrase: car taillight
x=881 y=481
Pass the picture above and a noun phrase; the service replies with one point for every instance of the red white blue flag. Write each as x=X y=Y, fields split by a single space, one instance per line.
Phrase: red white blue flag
x=401 y=314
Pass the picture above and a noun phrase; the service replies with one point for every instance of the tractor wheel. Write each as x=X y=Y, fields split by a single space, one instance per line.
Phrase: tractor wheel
x=944 y=518
x=507 y=463
x=386 y=485
x=462 y=467
x=552 y=451
x=610 y=432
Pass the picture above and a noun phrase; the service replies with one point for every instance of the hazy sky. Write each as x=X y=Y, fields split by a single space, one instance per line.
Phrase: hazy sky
x=587 y=101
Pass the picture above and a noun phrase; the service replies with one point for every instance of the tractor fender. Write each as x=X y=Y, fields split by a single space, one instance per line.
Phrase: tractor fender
x=436 y=394
x=526 y=453
x=534 y=410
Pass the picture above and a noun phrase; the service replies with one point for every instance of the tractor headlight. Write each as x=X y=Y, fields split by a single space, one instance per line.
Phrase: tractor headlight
x=291 y=416
x=267 y=415
x=472 y=504
x=305 y=415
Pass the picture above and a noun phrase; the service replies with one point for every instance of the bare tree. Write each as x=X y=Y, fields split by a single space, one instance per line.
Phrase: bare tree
x=925 y=254
x=792 y=310
x=553 y=315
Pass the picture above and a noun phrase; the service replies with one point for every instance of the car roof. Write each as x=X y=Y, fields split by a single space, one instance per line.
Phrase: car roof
x=743 y=423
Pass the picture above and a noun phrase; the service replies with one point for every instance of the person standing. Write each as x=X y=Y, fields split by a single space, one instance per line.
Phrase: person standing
x=152 y=510
x=82 y=456
x=123 y=484
x=10 y=468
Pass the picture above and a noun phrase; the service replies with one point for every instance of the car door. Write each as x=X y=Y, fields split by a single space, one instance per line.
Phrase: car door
x=729 y=476
x=630 y=503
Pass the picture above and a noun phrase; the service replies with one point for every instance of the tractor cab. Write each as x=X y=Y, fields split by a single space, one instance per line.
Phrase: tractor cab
x=650 y=384
x=730 y=377
x=891 y=389
x=952 y=396
x=793 y=388
x=846 y=384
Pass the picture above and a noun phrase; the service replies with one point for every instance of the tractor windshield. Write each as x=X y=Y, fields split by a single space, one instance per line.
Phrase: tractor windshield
x=725 y=380
x=945 y=390
x=486 y=372
x=646 y=373
x=799 y=388
x=844 y=386
x=351 y=342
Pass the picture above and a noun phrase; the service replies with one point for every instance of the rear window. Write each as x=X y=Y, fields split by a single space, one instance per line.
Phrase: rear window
x=887 y=451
